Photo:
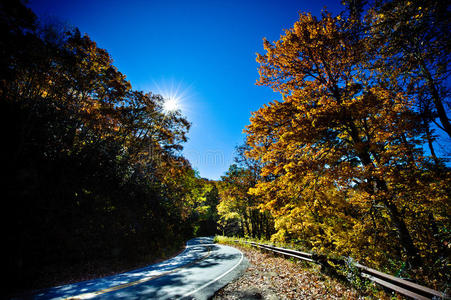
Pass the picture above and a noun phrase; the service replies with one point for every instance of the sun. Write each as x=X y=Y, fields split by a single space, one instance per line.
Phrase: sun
x=176 y=95
x=171 y=104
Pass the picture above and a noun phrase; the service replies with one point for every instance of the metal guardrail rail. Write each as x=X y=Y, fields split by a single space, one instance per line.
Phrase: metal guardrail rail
x=396 y=284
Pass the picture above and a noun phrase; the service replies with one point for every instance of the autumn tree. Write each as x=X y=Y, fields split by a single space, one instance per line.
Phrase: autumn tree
x=237 y=205
x=94 y=175
x=342 y=150
x=411 y=39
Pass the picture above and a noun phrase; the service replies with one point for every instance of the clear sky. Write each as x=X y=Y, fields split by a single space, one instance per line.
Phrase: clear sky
x=202 y=51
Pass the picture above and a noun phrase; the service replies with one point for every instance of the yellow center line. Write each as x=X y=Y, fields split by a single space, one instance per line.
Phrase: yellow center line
x=124 y=285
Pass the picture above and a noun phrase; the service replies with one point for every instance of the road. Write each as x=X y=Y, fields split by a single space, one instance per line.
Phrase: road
x=196 y=273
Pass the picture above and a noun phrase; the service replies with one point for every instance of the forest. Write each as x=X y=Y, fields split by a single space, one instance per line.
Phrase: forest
x=345 y=165
x=92 y=171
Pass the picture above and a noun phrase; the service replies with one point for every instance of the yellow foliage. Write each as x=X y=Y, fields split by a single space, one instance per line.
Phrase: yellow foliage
x=342 y=170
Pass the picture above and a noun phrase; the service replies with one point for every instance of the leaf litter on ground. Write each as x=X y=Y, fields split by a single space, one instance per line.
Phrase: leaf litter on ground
x=271 y=277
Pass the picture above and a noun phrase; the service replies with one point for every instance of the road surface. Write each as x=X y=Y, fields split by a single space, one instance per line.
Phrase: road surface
x=196 y=273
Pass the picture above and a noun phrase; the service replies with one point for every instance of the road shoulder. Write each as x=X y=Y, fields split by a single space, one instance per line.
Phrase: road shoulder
x=209 y=289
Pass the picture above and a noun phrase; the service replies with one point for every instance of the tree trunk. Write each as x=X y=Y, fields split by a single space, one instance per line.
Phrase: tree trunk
x=404 y=235
x=436 y=99
x=431 y=146
x=246 y=222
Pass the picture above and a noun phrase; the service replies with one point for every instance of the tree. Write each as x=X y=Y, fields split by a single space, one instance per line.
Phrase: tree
x=237 y=205
x=92 y=167
x=411 y=38
x=342 y=149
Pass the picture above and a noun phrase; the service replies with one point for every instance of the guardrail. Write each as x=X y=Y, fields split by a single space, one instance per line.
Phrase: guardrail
x=396 y=284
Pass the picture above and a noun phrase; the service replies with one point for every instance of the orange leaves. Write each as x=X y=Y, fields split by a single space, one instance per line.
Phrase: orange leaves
x=340 y=154
x=301 y=55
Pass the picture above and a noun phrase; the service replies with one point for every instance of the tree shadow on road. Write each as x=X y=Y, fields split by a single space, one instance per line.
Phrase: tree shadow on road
x=172 y=273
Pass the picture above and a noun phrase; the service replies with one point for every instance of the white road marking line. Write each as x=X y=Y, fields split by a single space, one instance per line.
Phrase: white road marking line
x=133 y=283
x=214 y=280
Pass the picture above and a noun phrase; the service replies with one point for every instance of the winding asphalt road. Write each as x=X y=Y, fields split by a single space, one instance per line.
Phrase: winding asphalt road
x=196 y=273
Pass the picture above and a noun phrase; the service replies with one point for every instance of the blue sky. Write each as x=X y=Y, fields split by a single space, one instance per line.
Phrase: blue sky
x=203 y=51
